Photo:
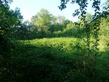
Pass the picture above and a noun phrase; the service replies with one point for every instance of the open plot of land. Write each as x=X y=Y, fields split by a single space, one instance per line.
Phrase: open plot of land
x=58 y=60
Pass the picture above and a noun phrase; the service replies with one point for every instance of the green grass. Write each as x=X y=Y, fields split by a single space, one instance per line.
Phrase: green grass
x=57 y=60
x=64 y=44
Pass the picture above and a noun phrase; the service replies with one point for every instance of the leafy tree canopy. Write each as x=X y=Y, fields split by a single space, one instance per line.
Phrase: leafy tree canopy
x=83 y=4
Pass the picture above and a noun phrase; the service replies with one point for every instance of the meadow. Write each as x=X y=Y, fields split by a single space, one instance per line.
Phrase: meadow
x=58 y=60
x=49 y=48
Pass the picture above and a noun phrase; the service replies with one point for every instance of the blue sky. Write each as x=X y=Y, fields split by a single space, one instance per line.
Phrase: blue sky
x=29 y=8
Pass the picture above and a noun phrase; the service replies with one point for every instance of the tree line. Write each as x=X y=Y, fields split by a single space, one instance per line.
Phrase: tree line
x=44 y=24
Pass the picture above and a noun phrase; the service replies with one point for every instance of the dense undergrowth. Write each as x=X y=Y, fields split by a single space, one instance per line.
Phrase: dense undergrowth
x=57 y=60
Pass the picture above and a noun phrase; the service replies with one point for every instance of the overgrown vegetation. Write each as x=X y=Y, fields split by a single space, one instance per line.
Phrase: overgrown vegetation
x=58 y=60
x=54 y=49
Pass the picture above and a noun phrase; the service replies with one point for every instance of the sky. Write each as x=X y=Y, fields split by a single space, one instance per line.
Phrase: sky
x=29 y=8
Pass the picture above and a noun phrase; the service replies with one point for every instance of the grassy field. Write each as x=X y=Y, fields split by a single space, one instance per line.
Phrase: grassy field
x=58 y=60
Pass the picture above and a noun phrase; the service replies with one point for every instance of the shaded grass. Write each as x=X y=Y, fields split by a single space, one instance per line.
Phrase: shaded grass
x=57 y=60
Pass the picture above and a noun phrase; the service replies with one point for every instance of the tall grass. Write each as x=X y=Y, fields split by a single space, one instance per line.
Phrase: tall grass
x=57 y=60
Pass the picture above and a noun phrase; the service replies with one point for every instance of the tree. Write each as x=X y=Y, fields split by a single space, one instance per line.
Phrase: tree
x=43 y=20
x=82 y=6
x=89 y=17
x=60 y=19
x=46 y=23
x=34 y=19
x=82 y=13
x=18 y=23
x=70 y=25
x=60 y=23
x=8 y=19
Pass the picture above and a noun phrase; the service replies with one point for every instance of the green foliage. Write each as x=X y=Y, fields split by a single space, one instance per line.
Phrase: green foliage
x=83 y=5
x=54 y=59
x=71 y=30
x=47 y=24
x=57 y=60
x=42 y=20
x=8 y=19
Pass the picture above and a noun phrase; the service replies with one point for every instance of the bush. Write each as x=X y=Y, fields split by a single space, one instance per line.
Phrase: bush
x=57 y=60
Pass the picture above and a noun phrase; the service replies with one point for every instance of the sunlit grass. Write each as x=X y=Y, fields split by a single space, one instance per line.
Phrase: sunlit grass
x=65 y=42
x=59 y=58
